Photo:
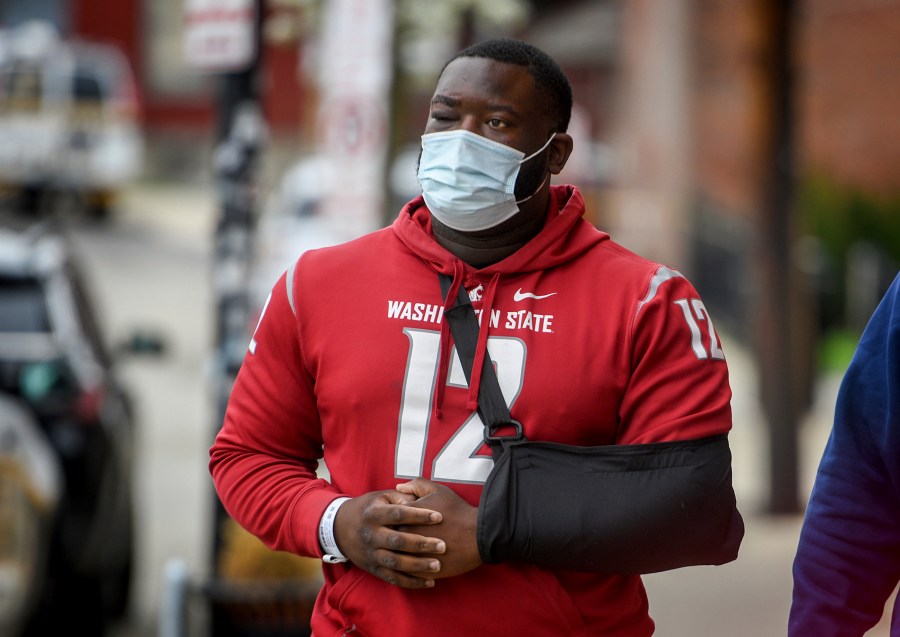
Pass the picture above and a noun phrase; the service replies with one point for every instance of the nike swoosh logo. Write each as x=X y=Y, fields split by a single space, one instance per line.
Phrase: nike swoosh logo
x=521 y=296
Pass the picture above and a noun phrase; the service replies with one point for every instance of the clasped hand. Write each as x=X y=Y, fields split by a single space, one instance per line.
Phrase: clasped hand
x=410 y=537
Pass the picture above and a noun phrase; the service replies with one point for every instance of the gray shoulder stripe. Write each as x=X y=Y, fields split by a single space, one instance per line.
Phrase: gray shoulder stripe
x=662 y=275
x=289 y=285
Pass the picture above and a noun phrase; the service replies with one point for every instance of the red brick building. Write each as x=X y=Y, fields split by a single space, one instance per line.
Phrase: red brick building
x=849 y=92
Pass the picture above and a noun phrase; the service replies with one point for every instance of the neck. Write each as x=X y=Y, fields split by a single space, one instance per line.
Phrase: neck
x=486 y=247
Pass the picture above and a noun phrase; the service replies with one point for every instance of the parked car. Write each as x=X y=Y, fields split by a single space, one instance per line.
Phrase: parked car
x=54 y=358
x=69 y=120
x=30 y=495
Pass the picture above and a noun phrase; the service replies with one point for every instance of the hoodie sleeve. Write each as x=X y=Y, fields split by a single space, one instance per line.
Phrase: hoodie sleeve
x=848 y=555
x=264 y=459
x=679 y=387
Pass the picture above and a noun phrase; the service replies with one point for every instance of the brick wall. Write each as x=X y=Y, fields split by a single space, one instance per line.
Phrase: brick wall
x=849 y=92
x=726 y=116
x=847 y=82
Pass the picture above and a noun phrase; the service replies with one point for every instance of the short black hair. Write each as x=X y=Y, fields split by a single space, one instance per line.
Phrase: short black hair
x=551 y=81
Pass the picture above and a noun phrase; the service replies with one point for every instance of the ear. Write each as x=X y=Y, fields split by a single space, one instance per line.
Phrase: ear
x=560 y=149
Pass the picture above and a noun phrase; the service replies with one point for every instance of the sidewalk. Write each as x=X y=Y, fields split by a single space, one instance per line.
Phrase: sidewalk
x=750 y=597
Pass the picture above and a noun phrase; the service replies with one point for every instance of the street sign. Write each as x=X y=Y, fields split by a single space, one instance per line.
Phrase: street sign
x=219 y=35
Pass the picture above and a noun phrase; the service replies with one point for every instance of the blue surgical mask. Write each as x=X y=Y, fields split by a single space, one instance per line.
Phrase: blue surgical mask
x=468 y=181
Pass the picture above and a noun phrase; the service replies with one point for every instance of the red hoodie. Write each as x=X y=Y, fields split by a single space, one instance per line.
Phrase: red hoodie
x=352 y=362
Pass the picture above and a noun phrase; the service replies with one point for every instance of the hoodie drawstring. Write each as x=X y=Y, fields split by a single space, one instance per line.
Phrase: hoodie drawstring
x=481 y=346
x=444 y=357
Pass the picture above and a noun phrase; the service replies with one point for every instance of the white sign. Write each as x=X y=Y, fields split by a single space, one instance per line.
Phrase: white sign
x=354 y=91
x=219 y=35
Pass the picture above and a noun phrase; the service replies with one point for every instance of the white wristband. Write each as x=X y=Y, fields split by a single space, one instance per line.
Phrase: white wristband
x=333 y=554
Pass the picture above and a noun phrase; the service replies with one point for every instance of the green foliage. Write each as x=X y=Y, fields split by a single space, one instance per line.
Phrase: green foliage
x=835 y=349
x=841 y=216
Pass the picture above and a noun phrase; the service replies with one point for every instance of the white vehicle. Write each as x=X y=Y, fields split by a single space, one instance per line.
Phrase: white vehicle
x=68 y=119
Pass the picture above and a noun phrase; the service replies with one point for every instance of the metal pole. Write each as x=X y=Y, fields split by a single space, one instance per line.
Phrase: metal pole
x=241 y=132
x=779 y=367
x=173 y=606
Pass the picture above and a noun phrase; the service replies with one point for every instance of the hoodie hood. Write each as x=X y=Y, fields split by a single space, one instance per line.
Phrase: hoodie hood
x=565 y=236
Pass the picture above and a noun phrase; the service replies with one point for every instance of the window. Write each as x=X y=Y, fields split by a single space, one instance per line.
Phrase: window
x=22 y=306
x=87 y=88
x=21 y=88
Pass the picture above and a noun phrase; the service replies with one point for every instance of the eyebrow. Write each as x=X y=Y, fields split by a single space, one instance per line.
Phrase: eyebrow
x=453 y=102
x=445 y=100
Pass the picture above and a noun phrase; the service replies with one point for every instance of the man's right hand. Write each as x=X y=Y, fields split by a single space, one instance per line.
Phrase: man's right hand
x=364 y=531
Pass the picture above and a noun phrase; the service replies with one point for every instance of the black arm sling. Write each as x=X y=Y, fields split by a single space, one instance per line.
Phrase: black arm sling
x=614 y=509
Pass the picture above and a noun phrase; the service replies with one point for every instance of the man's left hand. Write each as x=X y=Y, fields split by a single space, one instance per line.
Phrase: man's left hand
x=457 y=528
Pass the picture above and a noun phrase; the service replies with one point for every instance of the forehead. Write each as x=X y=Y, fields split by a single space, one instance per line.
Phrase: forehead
x=477 y=81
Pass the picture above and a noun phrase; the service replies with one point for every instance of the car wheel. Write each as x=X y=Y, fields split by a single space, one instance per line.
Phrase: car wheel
x=70 y=597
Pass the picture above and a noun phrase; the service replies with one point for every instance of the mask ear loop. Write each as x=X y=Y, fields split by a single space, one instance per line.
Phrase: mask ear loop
x=518 y=201
x=539 y=150
x=532 y=156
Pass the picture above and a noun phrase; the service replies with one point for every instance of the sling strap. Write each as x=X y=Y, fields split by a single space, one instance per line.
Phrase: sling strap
x=492 y=407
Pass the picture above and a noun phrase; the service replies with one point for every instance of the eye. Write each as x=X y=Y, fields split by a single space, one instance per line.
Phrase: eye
x=497 y=123
x=441 y=116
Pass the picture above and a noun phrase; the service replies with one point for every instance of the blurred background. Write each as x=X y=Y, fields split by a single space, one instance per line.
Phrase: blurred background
x=161 y=163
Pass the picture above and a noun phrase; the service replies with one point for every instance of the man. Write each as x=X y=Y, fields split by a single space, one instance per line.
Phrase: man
x=353 y=361
x=848 y=557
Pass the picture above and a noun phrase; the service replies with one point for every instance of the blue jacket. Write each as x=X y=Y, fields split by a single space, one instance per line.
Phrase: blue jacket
x=848 y=557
